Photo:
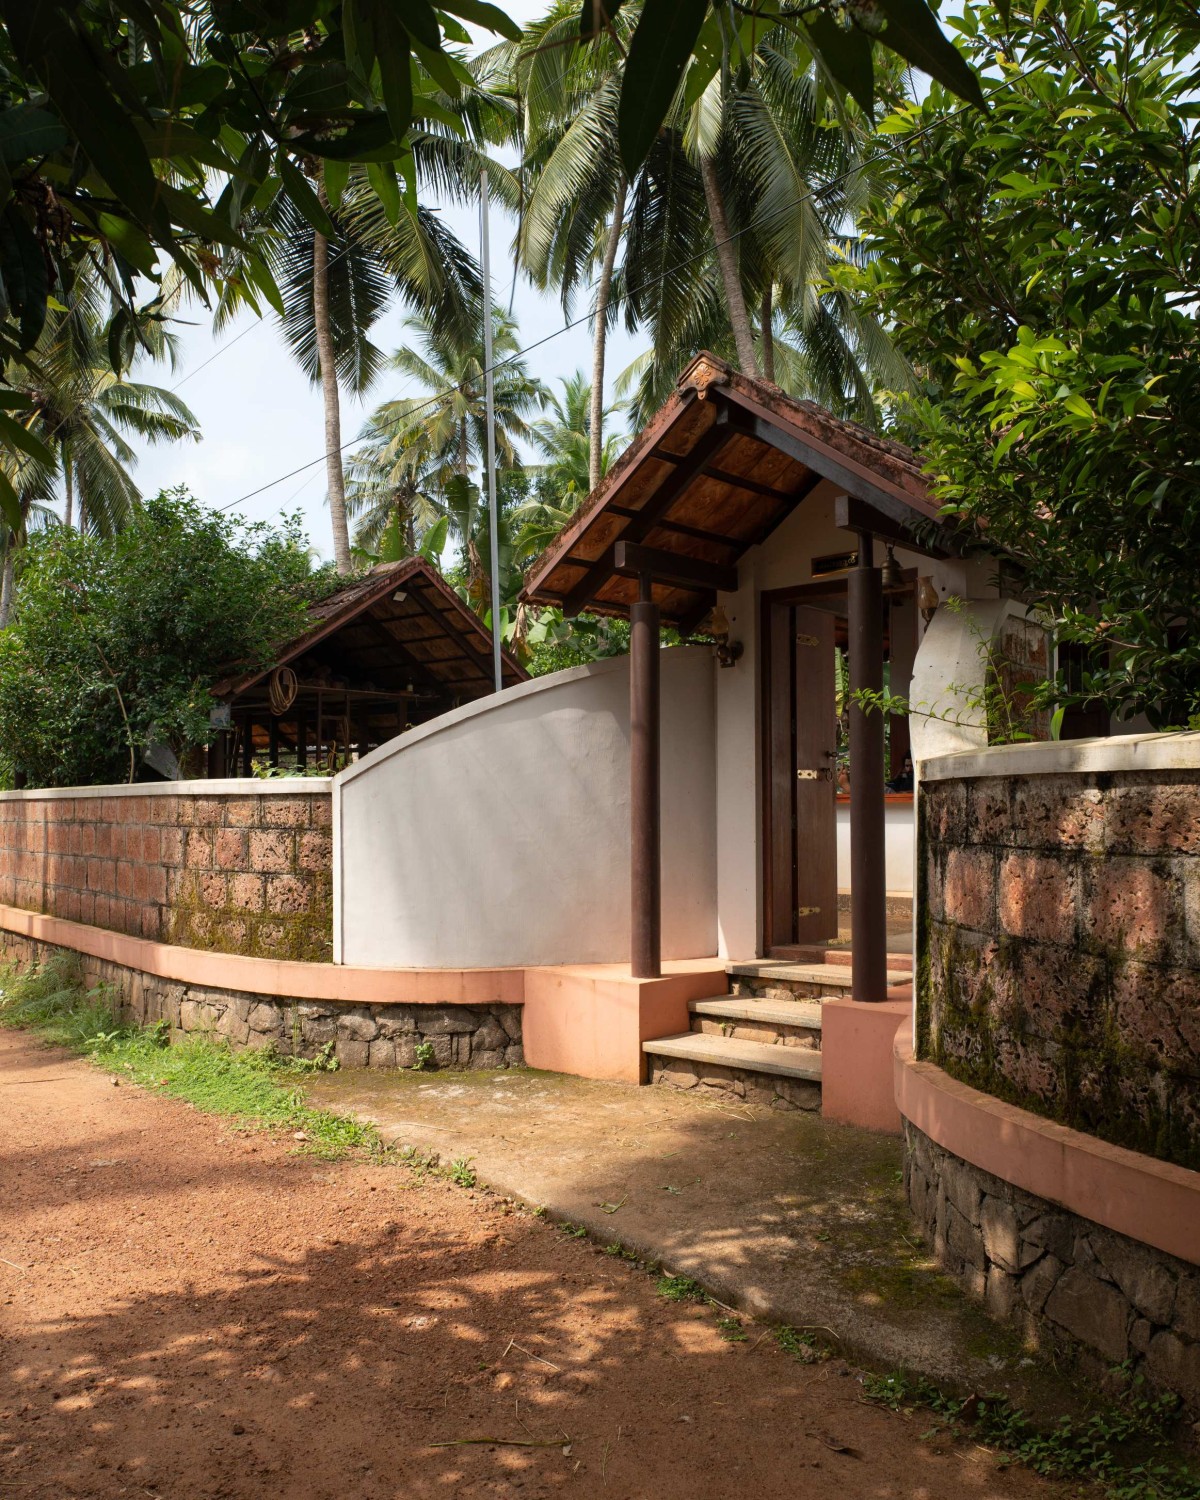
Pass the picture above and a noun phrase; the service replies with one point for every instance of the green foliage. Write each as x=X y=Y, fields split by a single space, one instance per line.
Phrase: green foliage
x=116 y=641
x=701 y=39
x=252 y=1087
x=1040 y=267
x=424 y=1058
x=1126 y=1447
x=680 y=1289
x=800 y=1343
x=461 y=1173
x=126 y=133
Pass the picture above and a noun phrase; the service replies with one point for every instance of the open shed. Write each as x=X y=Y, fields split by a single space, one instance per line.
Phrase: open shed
x=383 y=653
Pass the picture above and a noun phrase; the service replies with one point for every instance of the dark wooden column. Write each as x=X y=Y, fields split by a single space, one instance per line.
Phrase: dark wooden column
x=645 y=876
x=868 y=897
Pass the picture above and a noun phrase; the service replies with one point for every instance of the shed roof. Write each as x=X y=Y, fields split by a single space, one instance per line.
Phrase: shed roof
x=723 y=462
x=429 y=634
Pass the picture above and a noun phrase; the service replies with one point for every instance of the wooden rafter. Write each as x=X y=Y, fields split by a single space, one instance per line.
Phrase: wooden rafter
x=708 y=446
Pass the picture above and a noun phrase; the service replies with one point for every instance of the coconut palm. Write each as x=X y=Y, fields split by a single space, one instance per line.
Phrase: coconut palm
x=441 y=435
x=81 y=410
x=735 y=209
x=573 y=215
x=394 y=479
x=377 y=245
x=562 y=481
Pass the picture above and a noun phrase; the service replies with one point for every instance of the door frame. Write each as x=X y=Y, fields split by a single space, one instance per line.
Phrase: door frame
x=813 y=593
x=769 y=599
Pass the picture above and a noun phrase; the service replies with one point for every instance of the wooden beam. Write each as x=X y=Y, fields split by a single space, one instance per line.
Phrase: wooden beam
x=676 y=528
x=868 y=904
x=707 y=447
x=473 y=649
x=752 y=485
x=686 y=624
x=855 y=477
x=852 y=514
x=645 y=839
x=668 y=567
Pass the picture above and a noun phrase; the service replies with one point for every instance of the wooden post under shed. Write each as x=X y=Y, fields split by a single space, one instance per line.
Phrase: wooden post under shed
x=868 y=895
x=645 y=812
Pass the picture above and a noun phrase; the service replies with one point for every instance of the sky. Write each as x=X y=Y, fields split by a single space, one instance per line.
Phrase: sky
x=261 y=418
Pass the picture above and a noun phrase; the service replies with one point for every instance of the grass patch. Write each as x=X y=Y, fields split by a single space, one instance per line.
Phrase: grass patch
x=1127 y=1448
x=680 y=1289
x=251 y=1087
x=800 y=1343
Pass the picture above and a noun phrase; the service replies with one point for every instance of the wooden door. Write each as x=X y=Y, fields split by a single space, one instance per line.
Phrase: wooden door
x=815 y=775
x=801 y=740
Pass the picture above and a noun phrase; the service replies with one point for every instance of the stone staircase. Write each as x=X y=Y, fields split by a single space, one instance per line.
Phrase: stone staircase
x=762 y=1043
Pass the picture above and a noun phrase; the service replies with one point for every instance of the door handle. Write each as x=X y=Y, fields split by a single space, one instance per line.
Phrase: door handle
x=822 y=773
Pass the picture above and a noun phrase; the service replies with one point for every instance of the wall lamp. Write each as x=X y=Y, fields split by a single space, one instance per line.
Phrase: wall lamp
x=727 y=652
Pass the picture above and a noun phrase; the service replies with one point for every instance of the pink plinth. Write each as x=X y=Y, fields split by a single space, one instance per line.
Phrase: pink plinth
x=1153 y=1201
x=587 y=1019
x=857 y=1082
x=591 y=1019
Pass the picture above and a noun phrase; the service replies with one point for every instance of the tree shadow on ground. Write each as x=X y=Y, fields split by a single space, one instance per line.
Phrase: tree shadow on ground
x=336 y=1369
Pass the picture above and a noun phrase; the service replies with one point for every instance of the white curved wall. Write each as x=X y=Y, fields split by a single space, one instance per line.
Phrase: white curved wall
x=899 y=847
x=498 y=834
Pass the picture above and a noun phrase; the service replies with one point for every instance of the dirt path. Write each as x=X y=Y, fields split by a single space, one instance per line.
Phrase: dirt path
x=187 y=1311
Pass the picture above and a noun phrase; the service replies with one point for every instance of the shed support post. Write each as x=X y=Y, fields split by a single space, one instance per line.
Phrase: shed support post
x=868 y=895
x=645 y=838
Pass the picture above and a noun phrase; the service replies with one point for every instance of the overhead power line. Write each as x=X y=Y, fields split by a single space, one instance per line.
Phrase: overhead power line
x=629 y=293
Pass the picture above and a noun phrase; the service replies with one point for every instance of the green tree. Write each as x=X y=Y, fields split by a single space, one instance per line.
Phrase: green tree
x=79 y=412
x=1041 y=269
x=562 y=481
x=740 y=203
x=444 y=430
x=115 y=640
x=137 y=137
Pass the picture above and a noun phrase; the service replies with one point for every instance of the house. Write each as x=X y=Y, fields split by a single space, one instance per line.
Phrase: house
x=680 y=806
x=386 y=651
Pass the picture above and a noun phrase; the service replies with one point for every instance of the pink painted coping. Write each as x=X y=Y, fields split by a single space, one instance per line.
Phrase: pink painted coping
x=268 y=976
x=1154 y=1202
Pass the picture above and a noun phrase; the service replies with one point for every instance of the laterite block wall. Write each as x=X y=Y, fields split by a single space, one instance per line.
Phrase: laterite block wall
x=238 y=867
x=1059 y=948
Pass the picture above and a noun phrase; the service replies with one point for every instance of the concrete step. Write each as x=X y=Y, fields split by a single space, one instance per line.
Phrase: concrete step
x=788 y=1023
x=779 y=1077
x=843 y=958
x=805 y=981
x=750 y=1057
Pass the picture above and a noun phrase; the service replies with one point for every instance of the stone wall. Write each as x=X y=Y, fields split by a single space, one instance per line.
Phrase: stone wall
x=1059 y=945
x=1059 y=1278
x=236 y=867
x=376 y=1035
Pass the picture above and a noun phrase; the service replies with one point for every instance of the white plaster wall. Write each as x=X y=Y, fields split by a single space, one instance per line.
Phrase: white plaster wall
x=498 y=834
x=899 y=834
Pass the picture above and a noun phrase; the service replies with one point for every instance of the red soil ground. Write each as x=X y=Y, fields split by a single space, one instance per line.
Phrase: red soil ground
x=188 y=1310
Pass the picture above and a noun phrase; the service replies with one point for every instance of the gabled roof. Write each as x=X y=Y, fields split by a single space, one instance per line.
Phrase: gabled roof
x=430 y=632
x=714 y=472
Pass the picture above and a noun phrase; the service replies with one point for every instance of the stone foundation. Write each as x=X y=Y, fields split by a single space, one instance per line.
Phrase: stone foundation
x=1064 y=1281
x=754 y=1088
x=375 y=1036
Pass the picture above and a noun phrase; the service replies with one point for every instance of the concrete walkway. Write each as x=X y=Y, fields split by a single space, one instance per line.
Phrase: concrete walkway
x=783 y=1215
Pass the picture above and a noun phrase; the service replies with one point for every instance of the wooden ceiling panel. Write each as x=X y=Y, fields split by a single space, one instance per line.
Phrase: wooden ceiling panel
x=681 y=436
x=743 y=457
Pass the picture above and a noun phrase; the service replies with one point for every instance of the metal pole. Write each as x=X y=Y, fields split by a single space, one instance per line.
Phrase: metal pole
x=868 y=897
x=490 y=398
x=645 y=871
